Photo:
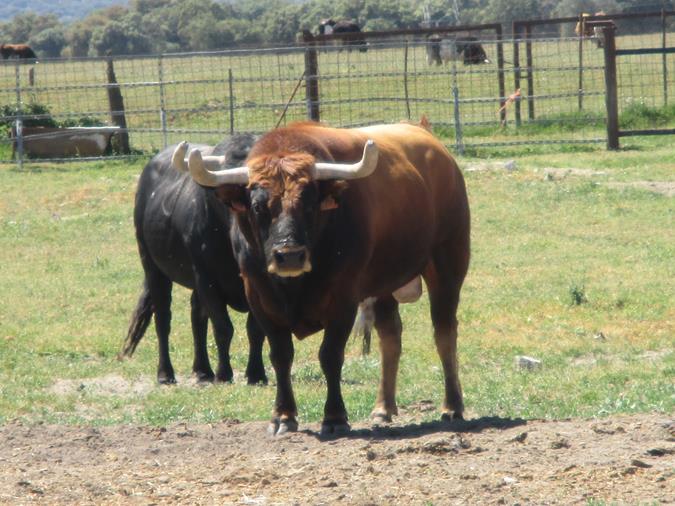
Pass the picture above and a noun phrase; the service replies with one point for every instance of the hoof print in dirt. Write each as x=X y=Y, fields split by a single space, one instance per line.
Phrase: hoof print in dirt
x=279 y=427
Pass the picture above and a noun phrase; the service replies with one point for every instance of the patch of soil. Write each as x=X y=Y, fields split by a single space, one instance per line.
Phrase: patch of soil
x=666 y=188
x=112 y=384
x=624 y=459
x=556 y=174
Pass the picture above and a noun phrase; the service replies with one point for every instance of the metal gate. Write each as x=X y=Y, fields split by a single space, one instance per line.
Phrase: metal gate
x=614 y=131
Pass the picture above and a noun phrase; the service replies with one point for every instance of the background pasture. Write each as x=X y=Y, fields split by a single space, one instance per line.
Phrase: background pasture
x=573 y=271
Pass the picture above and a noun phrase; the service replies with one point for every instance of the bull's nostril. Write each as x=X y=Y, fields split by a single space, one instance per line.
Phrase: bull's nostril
x=301 y=256
x=279 y=257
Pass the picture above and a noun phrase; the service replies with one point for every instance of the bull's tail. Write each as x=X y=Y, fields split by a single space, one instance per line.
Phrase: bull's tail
x=364 y=323
x=139 y=324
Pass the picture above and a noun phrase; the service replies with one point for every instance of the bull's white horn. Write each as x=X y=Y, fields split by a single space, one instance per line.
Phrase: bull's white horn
x=201 y=170
x=362 y=168
x=178 y=158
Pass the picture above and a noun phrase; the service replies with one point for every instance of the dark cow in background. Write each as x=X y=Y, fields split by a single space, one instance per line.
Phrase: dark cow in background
x=21 y=51
x=182 y=234
x=330 y=26
x=443 y=50
x=315 y=233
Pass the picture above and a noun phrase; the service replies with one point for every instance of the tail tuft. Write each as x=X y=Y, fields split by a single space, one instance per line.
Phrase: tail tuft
x=138 y=325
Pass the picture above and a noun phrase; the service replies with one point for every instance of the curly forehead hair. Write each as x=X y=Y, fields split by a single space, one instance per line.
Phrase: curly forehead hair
x=283 y=174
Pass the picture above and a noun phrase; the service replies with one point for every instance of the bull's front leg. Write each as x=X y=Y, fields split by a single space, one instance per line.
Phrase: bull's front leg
x=332 y=356
x=284 y=417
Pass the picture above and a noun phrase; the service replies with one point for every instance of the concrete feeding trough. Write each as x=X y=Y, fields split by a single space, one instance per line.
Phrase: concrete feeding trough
x=53 y=142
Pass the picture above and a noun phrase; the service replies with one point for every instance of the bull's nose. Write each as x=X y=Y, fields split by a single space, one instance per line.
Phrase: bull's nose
x=290 y=260
x=290 y=257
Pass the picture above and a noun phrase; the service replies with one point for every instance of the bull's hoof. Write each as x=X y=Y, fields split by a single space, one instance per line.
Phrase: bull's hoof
x=256 y=379
x=224 y=375
x=204 y=376
x=448 y=416
x=281 y=426
x=380 y=417
x=338 y=427
x=166 y=378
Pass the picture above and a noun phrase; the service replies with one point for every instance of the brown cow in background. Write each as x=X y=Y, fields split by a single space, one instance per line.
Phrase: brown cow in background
x=21 y=51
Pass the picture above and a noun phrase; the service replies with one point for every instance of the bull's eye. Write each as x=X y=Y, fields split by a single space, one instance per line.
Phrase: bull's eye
x=257 y=207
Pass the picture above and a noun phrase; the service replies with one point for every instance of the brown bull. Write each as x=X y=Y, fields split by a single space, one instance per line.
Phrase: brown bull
x=315 y=235
x=21 y=51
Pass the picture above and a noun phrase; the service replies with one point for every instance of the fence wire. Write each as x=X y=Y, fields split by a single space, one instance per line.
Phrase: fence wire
x=554 y=94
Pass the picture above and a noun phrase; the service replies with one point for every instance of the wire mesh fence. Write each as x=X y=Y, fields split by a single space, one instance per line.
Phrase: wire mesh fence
x=544 y=89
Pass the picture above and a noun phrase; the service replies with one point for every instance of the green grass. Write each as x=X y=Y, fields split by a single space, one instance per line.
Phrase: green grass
x=555 y=264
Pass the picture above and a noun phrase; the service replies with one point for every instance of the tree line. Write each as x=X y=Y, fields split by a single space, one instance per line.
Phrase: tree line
x=161 y=26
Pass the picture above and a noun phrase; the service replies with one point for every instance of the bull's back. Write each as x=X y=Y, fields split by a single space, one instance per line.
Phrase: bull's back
x=414 y=200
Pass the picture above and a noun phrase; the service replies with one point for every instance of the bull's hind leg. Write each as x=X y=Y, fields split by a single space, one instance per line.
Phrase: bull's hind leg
x=444 y=276
x=215 y=306
x=201 y=367
x=389 y=329
x=160 y=293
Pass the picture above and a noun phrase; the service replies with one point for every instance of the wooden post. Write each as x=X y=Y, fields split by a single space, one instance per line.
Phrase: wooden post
x=116 y=103
x=311 y=76
x=530 y=74
x=500 y=75
x=611 y=93
x=664 y=59
x=516 y=71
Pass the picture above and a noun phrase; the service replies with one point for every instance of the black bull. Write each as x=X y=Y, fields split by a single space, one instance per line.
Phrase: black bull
x=182 y=237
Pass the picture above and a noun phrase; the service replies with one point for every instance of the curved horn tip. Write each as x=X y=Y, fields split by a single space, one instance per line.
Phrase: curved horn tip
x=178 y=157
x=195 y=155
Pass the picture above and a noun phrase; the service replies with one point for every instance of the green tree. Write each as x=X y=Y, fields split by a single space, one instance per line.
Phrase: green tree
x=118 y=38
x=23 y=26
x=50 y=42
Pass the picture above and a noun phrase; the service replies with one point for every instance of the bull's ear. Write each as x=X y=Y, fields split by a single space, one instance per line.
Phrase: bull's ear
x=233 y=196
x=330 y=193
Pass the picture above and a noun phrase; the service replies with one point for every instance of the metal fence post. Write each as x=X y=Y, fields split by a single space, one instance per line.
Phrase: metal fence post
x=611 y=93
x=516 y=70
x=500 y=75
x=230 y=80
x=19 y=120
x=530 y=72
x=664 y=59
x=311 y=76
x=162 y=101
x=459 y=144
x=405 y=79
x=581 y=61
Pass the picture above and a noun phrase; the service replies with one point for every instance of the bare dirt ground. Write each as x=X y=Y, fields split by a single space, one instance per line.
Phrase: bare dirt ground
x=624 y=460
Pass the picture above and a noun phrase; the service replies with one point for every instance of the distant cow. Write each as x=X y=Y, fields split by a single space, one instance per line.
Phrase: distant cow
x=443 y=50
x=21 y=51
x=315 y=232
x=585 y=28
x=182 y=235
x=330 y=26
